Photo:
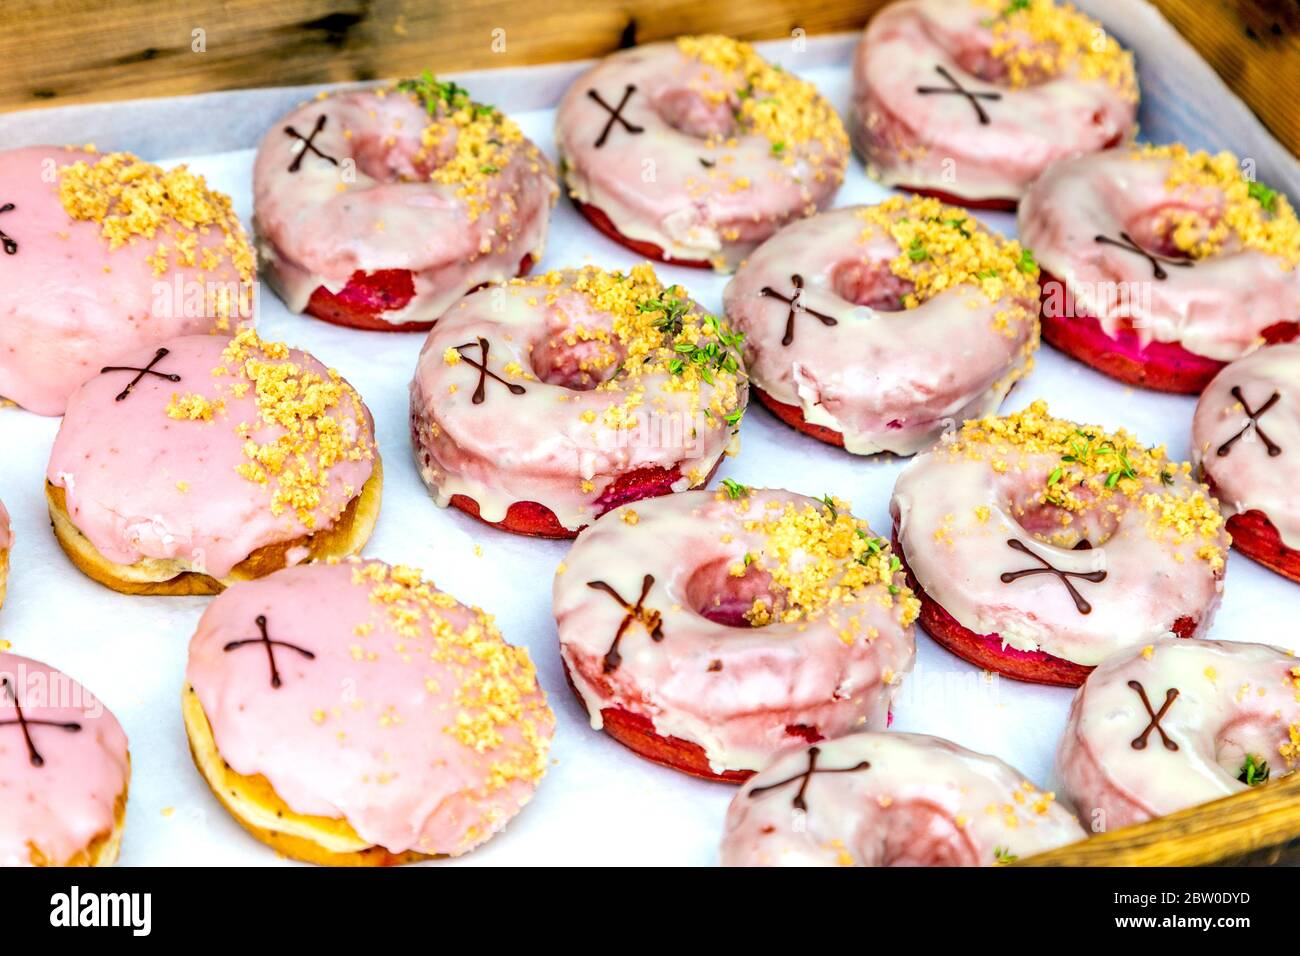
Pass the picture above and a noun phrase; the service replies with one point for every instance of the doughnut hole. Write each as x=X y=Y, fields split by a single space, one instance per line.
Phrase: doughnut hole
x=918 y=833
x=388 y=159
x=1153 y=228
x=716 y=594
x=870 y=284
x=1046 y=522
x=688 y=112
x=1256 y=734
x=579 y=365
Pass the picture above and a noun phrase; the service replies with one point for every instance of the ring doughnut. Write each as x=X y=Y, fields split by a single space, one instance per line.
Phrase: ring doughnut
x=1158 y=728
x=971 y=101
x=1245 y=434
x=64 y=770
x=1160 y=265
x=875 y=327
x=541 y=404
x=1039 y=547
x=873 y=799
x=117 y=255
x=351 y=714
x=380 y=208
x=208 y=461
x=695 y=151
x=708 y=631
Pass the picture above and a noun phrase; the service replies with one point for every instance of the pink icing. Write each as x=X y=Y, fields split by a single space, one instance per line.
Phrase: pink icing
x=363 y=731
x=1216 y=308
x=317 y=227
x=142 y=484
x=690 y=211
x=58 y=808
x=68 y=302
x=715 y=680
x=937 y=141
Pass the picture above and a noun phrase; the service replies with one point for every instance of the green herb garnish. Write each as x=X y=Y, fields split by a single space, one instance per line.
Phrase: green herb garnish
x=1253 y=772
x=734 y=489
x=1263 y=195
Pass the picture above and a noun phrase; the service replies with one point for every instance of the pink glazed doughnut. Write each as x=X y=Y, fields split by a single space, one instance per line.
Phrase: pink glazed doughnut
x=873 y=799
x=103 y=254
x=1245 y=437
x=207 y=461
x=379 y=208
x=874 y=328
x=351 y=714
x=695 y=151
x=708 y=631
x=972 y=100
x=1161 y=265
x=6 y=542
x=1039 y=546
x=1176 y=723
x=539 y=405
x=64 y=770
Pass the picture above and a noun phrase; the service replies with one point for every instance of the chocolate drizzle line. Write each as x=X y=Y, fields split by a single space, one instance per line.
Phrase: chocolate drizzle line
x=1253 y=416
x=972 y=97
x=270 y=646
x=615 y=114
x=26 y=724
x=10 y=244
x=1140 y=741
x=1126 y=242
x=651 y=620
x=799 y=802
x=480 y=392
x=308 y=144
x=141 y=373
x=1096 y=577
x=795 y=301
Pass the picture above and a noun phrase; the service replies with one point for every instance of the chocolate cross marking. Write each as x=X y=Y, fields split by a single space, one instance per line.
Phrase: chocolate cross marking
x=799 y=802
x=308 y=144
x=1096 y=577
x=615 y=114
x=270 y=646
x=795 y=301
x=26 y=725
x=1140 y=741
x=10 y=244
x=972 y=97
x=1252 y=421
x=1157 y=270
x=141 y=373
x=651 y=620
x=480 y=392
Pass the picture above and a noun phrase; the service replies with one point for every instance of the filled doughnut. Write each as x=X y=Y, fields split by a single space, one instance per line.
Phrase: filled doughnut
x=1160 y=265
x=379 y=208
x=708 y=631
x=1038 y=547
x=351 y=714
x=6 y=542
x=971 y=100
x=539 y=405
x=1245 y=435
x=1158 y=728
x=886 y=799
x=103 y=254
x=182 y=469
x=696 y=150
x=64 y=770
x=876 y=327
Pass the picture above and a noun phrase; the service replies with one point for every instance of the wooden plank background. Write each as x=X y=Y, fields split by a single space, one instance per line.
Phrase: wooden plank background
x=64 y=51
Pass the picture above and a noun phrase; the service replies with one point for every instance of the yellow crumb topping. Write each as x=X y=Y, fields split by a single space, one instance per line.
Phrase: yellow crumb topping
x=822 y=560
x=132 y=200
x=1249 y=213
x=307 y=422
x=765 y=99
x=1040 y=39
x=499 y=709
x=1093 y=469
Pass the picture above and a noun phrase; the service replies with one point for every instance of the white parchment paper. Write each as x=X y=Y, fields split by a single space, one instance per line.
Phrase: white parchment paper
x=599 y=804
